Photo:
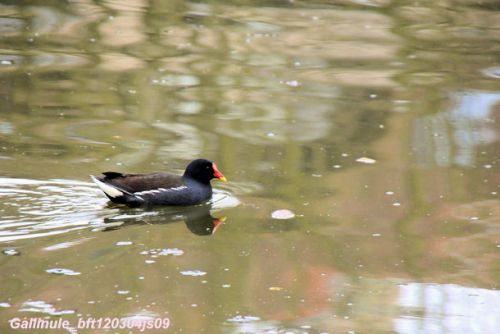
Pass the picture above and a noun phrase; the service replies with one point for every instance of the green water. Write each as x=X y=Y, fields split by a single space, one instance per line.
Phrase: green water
x=375 y=122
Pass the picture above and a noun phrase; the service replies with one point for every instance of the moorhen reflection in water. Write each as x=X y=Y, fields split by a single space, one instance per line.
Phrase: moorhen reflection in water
x=197 y=218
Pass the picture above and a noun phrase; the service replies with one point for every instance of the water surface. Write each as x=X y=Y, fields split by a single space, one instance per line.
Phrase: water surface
x=375 y=123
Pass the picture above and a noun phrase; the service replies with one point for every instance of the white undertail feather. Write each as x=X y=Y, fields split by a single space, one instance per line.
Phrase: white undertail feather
x=108 y=190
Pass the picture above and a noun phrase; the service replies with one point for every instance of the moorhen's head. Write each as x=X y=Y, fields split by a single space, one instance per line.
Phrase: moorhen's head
x=203 y=171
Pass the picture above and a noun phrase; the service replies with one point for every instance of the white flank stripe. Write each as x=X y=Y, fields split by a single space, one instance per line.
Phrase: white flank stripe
x=158 y=191
x=109 y=190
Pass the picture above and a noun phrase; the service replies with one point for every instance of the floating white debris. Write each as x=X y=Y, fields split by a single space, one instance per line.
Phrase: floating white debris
x=62 y=271
x=124 y=243
x=365 y=160
x=474 y=218
x=243 y=318
x=171 y=251
x=123 y=292
x=5 y=305
x=226 y=285
x=396 y=204
x=283 y=214
x=376 y=235
x=292 y=83
x=149 y=261
x=389 y=193
x=11 y=252
x=193 y=273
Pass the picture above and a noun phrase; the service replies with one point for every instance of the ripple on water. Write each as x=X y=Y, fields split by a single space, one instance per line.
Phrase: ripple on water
x=492 y=72
x=39 y=306
x=124 y=243
x=222 y=199
x=43 y=208
x=63 y=271
x=171 y=251
x=193 y=273
x=243 y=318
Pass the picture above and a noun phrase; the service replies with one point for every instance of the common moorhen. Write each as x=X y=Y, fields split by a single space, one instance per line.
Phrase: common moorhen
x=161 y=188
